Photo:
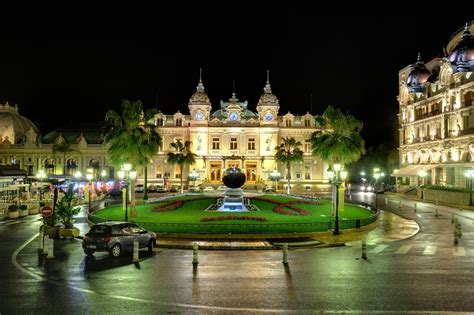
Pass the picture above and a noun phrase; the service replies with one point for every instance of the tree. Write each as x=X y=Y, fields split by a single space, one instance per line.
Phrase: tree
x=131 y=138
x=339 y=140
x=64 y=148
x=289 y=152
x=182 y=156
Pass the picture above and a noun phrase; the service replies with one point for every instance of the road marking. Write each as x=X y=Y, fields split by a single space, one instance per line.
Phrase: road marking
x=378 y=249
x=459 y=251
x=404 y=249
x=430 y=250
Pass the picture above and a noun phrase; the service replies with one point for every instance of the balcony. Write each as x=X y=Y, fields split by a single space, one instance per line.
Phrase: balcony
x=427 y=115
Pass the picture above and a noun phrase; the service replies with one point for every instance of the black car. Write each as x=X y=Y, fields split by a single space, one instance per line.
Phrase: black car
x=114 y=193
x=117 y=237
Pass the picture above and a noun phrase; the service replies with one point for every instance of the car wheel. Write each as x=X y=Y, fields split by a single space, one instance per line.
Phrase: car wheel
x=151 y=245
x=89 y=252
x=115 y=250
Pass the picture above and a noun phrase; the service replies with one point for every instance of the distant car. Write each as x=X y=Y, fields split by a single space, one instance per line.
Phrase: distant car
x=174 y=189
x=208 y=189
x=269 y=189
x=116 y=238
x=139 y=188
x=160 y=189
x=152 y=189
x=193 y=189
x=114 y=193
x=221 y=188
x=367 y=188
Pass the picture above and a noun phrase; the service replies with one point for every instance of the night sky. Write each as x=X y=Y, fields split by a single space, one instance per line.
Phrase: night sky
x=69 y=70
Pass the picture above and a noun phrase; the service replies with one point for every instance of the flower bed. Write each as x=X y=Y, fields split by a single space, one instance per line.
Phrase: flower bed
x=168 y=206
x=280 y=208
x=233 y=217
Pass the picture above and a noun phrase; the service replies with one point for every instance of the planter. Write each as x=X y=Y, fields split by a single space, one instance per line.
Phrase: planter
x=72 y=232
x=24 y=213
x=52 y=231
x=13 y=214
x=34 y=209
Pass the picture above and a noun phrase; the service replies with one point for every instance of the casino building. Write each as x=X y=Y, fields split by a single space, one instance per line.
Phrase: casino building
x=436 y=115
x=231 y=134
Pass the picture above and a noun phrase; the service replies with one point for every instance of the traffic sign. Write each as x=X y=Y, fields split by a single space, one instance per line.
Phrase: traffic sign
x=46 y=211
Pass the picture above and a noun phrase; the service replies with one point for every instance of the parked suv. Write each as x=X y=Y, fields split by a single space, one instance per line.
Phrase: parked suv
x=117 y=237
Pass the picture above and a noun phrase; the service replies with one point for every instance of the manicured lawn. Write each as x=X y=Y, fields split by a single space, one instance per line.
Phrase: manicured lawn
x=193 y=211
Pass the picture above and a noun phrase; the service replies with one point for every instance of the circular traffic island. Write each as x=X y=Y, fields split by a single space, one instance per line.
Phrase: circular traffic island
x=282 y=215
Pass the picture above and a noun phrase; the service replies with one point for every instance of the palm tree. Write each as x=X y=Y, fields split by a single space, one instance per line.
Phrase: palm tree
x=182 y=156
x=64 y=148
x=339 y=140
x=289 y=152
x=131 y=138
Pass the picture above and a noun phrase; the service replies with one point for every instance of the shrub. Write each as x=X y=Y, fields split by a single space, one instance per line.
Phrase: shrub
x=233 y=217
x=23 y=207
x=438 y=187
x=12 y=208
x=168 y=206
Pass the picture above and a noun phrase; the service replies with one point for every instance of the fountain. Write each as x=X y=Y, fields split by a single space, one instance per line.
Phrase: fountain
x=233 y=201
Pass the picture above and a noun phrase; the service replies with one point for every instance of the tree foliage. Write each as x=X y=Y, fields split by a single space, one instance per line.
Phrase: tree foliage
x=181 y=156
x=289 y=152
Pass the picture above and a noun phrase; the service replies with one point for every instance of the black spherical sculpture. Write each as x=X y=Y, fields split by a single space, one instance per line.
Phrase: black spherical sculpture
x=233 y=177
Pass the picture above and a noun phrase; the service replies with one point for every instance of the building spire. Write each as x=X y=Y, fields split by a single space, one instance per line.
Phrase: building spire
x=200 y=87
x=466 y=32
x=233 y=88
x=268 y=89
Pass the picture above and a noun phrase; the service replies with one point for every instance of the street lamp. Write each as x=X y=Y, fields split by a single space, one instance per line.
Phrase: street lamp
x=89 y=177
x=376 y=177
x=103 y=174
x=338 y=176
x=41 y=175
x=422 y=174
x=127 y=175
x=470 y=174
x=193 y=176
x=275 y=175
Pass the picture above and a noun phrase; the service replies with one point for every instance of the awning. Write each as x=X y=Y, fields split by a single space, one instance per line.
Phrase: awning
x=412 y=170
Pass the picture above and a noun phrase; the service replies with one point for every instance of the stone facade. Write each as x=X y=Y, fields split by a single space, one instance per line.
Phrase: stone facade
x=436 y=115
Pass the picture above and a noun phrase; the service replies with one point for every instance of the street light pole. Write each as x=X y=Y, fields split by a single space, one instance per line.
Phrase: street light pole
x=470 y=174
x=89 y=177
x=338 y=176
x=127 y=175
x=376 y=176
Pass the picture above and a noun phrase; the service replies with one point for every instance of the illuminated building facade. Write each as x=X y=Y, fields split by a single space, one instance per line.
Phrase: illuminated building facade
x=436 y=115
x=231 y=135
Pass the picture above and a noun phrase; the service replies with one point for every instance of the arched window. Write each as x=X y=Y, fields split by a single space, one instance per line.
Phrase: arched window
x=95 y=166
x=49 y=166
x=71 y=166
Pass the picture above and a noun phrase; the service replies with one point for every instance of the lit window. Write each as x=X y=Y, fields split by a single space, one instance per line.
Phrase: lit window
x=233 y=143
x=215 y=144
x=251 y=144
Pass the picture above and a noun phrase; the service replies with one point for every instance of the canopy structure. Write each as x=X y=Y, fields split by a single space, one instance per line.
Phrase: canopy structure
x=412 y=170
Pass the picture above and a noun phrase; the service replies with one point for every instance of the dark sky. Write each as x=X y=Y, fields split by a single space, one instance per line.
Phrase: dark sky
x=69 y=70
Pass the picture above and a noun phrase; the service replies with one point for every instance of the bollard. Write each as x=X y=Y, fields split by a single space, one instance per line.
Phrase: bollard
x=41 y=241
x=458 y=228
x=50 y=248
x=45 y=244
x=364 y=249
x=195 y=253
x=400 y=203
x=452 y=218
x=436 y=212
x=415 y=206
x=285 y=253
x=135 y=251
x=386 y=201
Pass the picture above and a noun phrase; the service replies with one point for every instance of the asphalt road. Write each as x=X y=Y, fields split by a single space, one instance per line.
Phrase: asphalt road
x=423 y=274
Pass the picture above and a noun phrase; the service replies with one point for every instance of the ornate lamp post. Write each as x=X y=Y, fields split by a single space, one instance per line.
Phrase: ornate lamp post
x=470 y=174
x=128 y=176
x=338 y=176
x=193 y=176
x=275 y=175
x=89 y=177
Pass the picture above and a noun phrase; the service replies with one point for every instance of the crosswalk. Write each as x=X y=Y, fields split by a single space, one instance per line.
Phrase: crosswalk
x=447 y=250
